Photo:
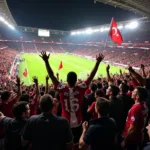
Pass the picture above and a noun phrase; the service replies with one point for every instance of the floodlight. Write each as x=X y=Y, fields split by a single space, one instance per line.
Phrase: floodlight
x=120 y=26
x=2 y=19
x=102 y=29
x=132 y=25
x=89 y=31
x=96 y=30
x=78 y=32
x=73 y=33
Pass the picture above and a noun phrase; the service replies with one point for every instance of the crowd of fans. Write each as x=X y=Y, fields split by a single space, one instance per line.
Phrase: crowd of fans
x=109 y=113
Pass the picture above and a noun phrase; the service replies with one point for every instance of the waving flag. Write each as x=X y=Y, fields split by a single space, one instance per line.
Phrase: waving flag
x=25 y=73
x=60 y=66
x=114 y=33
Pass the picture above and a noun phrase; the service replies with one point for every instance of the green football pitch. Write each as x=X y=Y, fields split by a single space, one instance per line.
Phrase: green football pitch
x=36 y=67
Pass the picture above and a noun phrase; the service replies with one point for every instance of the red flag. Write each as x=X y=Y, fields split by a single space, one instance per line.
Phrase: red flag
x=25 y=73
x=114 y=33
x=60 y=66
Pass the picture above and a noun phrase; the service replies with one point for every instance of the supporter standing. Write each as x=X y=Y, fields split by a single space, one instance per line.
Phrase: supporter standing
x=47 y=131
x=100 y=133
x=71 y=95
x=136 y=120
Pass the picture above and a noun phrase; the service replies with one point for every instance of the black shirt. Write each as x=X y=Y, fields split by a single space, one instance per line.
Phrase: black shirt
x=90 y=98
x=101 y=134
x=127 y=104
x=47 y=132
x=116 y=111
x=13 y=128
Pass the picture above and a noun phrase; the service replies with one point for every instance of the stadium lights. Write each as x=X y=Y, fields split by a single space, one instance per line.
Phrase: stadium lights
x=120 y=26
x=96 y=30
x=5 y=22
x=106 y=29
x=73 y=33
x=89 y=31
x=102 y=29
x=132 y=25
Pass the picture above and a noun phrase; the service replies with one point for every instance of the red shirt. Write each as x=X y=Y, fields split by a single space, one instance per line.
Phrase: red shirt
x=92 y=110
x=137 y=117
x=33 y=106
x=7 y=108
x=71 y=100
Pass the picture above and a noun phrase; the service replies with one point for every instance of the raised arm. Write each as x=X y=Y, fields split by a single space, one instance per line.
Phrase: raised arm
x=46 y=88
x=57 y=75
x=143 y=71
x=45 y=57
x=99 y=58
x=121 y=75
x=35 y=80
x=108 y=74
x=138 y=77
x=19 y=88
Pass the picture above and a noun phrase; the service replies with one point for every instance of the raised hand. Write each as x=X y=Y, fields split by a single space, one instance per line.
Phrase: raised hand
x=130 y=69
x=44 y=56
x=99 y=57
x=17 y=80
x=120 y=71
x=57 y=74
x=142 y=66
x=47 y=78
x=35 y=80
x=85 y=125
x=108 y=67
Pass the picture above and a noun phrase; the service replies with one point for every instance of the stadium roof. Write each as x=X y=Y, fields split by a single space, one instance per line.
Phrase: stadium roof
x=137 y=6
x=5 y=13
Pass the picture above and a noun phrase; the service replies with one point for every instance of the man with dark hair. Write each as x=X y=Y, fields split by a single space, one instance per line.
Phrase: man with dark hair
x=47 y=131
x=126 y=101
x=99 y=86
x=32 y=100
x=71 y=95
x=136 y=119
x=91 y=109
x=13 y=127
x=90 y=98
x=8 y=100
x=116 y=105
x=100 y=135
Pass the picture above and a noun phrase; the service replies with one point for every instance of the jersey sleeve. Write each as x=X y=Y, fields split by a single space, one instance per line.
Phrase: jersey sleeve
x=92 y=107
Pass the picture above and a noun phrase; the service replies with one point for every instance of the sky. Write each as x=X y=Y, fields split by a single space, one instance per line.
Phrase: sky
x=65 y=14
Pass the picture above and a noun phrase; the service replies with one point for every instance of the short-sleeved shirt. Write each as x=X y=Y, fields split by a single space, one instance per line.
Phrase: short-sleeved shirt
x=47 y=132
x=101 y=134
x=71 y=100
x=137 y=117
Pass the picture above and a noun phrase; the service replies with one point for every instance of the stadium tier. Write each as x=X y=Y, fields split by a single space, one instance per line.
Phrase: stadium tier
x=85 y=89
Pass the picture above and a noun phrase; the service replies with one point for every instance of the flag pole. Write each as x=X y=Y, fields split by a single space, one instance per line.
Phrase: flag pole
x=106 y=40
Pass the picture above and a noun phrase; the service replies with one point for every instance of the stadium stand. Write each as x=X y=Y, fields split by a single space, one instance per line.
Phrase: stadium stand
x=105 y=113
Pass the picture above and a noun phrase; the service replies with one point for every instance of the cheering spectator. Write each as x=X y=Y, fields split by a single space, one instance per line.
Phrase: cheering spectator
x=116 y=106
x=47 y=131
x=71 y=96
x=136 y=120
x=14 y=126
x=8 y=100
x=100 y=135
x=126 y=101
